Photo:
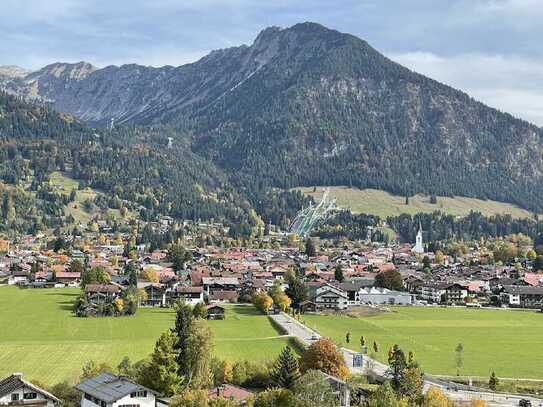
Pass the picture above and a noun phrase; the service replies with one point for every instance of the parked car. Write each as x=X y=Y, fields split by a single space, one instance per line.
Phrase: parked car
x=524 y=403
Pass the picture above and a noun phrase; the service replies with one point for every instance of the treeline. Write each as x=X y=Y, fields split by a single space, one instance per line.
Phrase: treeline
x=436 y=226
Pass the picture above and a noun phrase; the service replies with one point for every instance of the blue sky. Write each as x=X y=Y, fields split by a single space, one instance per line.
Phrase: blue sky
x=488 y=48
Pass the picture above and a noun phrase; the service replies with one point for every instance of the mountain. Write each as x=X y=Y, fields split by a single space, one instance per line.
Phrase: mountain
x=130 y=168
x=306 y=106
x=13 y=71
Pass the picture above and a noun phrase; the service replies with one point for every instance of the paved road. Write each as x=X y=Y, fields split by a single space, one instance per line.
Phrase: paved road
x=456 y=392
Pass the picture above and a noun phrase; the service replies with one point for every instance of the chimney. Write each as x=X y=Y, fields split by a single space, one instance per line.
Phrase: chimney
x=18 y=375
x=220 y=390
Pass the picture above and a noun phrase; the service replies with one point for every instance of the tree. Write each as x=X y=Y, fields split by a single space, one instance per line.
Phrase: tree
x=275 y=398
x=69 y=396
x=362 y=342
x=310 y=250
x=96 y=275
x=384 y=396
x=478 y=403
x=412 y=383
x=199 y=310
x=426 y=264
x=313 y=390
x=493 y=382
x=397 y=365
x=183 y=326
x=324 y=355
x=296 y=291
x=199 y=351
x=537 y=264
x=263 y=302
x=375 y=347
x=439 y=257
x=459 y=358
x=347 y=338
x=338 y=273
x=149 y=274
x=285 y=370
x=178 y=256
x=163 y=371
x=436 y=398
x=124 y=368
x=91 y=369
x=76 y=267
x=390 y=279
x=282 y=301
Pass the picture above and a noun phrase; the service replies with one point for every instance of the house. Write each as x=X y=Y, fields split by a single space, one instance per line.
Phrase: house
x=15 y=391
x=19 y=277
x=230 y=392
x=330 y=297
x=107 y=390
x=100 y=294
x=68 y=278
x=214 y=311
x=307 y=306
x=156 y=295
x=191 y=295
x=523 y=296
x=436 y=292
x=376 y=295
x=223 y=296
x=212 y=284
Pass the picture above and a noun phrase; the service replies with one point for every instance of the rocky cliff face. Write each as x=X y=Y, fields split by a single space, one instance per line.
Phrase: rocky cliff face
x=311 y=106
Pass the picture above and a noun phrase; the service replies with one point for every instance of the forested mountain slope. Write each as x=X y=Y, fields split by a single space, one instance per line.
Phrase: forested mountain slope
x=134 y=167
x=307 y=106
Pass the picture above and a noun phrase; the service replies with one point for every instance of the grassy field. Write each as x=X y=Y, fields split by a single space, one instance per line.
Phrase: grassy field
x=383 y=204
x=504 y=341
x=65 y=185
x=41 y=338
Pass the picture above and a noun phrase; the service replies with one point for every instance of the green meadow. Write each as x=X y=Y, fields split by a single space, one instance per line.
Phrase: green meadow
x=40 y=337
x=505 y=341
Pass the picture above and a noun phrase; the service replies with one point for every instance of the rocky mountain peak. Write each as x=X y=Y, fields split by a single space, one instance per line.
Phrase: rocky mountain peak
x=13 y=71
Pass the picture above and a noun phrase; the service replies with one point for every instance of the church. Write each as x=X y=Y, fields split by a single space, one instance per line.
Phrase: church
x=419 y=248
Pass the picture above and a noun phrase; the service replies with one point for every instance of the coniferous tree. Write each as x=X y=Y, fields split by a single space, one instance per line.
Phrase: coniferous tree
x=286 y=370
x=183 y=325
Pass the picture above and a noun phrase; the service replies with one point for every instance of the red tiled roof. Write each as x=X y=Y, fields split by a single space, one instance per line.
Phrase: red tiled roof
x=101 y=288
x=229 y=391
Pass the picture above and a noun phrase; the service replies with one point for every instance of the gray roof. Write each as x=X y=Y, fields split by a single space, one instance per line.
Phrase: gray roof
x=16 y=381
x=109 y=388
x=526 y=290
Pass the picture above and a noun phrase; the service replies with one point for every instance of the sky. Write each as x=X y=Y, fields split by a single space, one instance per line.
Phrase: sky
x=491 y=49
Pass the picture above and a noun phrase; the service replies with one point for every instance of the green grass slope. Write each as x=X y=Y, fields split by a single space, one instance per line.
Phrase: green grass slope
x=383 y=204
x=41 y=338
x=504 y=341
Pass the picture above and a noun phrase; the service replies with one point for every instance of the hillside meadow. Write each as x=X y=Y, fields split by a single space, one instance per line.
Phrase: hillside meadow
x=383 y=204
x=505 y=341
x=41 y=338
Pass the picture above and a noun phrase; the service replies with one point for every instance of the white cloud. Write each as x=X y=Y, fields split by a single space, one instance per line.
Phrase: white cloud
x=509 y=83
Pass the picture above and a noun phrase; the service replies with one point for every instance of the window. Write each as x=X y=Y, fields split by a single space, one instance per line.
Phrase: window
x=30 y=396
x=142 y=393
x=15 y=397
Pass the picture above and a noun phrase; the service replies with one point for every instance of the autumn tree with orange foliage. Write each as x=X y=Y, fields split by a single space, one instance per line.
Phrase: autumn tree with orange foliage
x=324 y=355
x=436 y=398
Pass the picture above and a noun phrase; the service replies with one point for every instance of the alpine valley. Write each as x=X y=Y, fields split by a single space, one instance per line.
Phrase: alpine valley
x=228 y=137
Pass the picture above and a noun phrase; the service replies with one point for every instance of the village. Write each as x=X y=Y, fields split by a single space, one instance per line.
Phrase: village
x=336 y=278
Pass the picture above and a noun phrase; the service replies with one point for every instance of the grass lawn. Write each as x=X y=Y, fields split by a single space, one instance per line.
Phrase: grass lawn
x=507 y=342
x=41 y=338
x=383 y=204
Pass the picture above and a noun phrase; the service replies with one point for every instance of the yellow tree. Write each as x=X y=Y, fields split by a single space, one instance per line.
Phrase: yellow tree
x=150 y=275
x=436 y=398
x=263 y=302
x=324 y=355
